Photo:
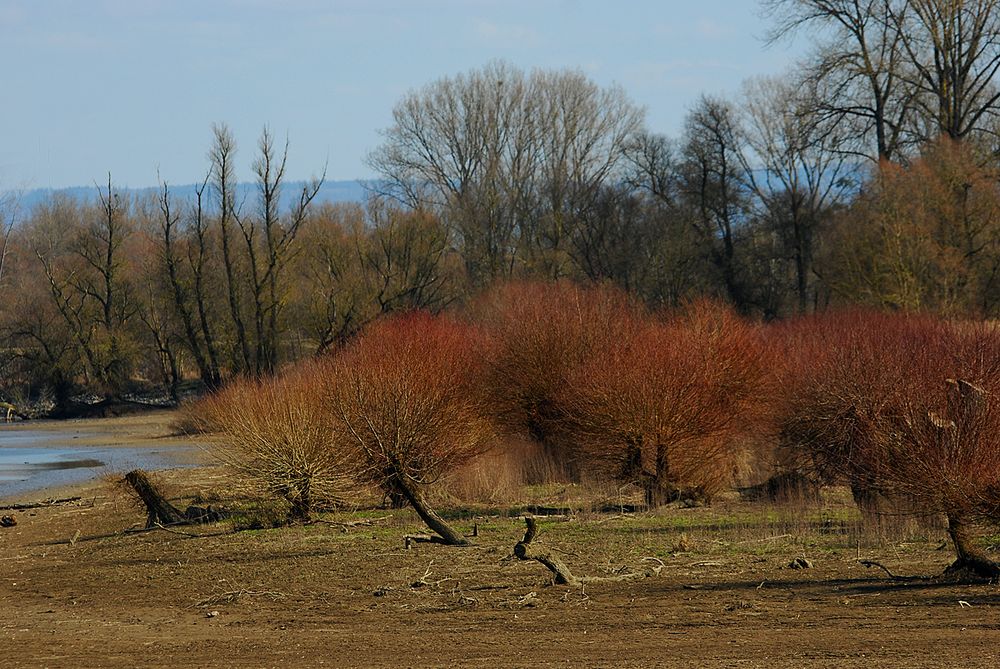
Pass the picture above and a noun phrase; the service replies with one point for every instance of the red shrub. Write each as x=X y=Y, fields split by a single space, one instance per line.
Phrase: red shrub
x=542 y=332
x=661 y=405
x=406 y=398
x=902 y=406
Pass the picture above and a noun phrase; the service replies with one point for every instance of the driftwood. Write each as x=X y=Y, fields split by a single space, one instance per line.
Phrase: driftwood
x=160 y=512
x=40 y=505
x=527 y=550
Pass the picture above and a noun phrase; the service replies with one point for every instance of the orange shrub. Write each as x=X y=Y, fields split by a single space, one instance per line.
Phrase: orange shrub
x=278 y=433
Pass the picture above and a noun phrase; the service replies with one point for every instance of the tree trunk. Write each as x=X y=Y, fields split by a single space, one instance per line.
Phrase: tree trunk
x=300 y=502
x=525 y=550
x=430 y=517
x=158 y=510
x=971 y=558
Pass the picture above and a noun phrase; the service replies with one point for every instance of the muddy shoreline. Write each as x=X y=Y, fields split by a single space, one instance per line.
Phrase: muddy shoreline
x=47 y=458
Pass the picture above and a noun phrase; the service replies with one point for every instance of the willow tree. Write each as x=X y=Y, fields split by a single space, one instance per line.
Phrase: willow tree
x=405 y=399
x=904 y=407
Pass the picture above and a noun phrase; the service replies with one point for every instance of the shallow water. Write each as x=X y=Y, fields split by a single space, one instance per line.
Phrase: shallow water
x=36 y=459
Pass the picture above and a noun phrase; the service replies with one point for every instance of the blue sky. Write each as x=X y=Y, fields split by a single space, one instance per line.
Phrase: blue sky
x=133 y=86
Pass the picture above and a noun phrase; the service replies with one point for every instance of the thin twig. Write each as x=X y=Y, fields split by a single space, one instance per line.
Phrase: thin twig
x=894 y=577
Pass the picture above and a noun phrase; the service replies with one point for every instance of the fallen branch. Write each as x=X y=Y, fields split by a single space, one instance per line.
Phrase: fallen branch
x=410 y=539
x=167 y=528
x=346 y=525
x=892 y=576
x=234 y=595
x=39 y=505
x=158 y=510
x=423 y=580
x=526 y=550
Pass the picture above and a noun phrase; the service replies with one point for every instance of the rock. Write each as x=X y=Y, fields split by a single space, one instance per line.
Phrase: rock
x=8 y=521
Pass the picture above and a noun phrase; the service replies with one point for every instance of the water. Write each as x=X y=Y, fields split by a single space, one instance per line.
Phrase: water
x=35 y=459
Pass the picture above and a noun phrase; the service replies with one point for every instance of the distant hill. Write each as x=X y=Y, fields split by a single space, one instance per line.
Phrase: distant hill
x=332 y=191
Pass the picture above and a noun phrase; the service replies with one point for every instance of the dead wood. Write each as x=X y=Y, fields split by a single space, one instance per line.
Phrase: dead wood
x=40 y=505
x=527 y=550
x=410 y=539
x=349 y=524
x=160 y=512
x=891 y=575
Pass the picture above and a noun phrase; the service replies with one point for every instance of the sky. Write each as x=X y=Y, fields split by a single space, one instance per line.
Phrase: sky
x=132 y=87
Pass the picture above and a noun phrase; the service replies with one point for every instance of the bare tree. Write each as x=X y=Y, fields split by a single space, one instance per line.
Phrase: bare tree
x=860 y=64
x=795 y=167
x=221 y=157
x=582 y=133
x=257 y=245
x=181 y=290
x=953 y=49
x=267 y=258
x=712 y=186
x=9 y=207
x=84 y=263
x=358 y=264
x=510 y=160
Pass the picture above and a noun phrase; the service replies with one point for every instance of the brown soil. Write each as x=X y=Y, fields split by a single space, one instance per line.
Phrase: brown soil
x=75 y=591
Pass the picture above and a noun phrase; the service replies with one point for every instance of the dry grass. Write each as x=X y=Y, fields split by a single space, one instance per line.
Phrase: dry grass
x=278 y=435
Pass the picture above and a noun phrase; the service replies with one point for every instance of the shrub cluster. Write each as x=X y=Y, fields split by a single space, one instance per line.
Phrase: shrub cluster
x=608 y=389
x=897 y=406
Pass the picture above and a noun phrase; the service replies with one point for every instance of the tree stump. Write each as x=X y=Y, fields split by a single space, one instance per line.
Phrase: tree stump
x=526 y=550
x=158 y=510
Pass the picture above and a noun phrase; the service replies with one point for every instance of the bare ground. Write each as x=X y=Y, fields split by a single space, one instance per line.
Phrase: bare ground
x=75 y=591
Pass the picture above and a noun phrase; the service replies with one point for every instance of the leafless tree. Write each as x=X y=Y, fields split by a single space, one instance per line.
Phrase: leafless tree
x=860 y=62
x=256 y=245
x=510 y=160
x=221 y=157
x=712 y=186
x=9 y=208
x=84 y=263
x=795 y=168
x=180 y=289
x=953 y=50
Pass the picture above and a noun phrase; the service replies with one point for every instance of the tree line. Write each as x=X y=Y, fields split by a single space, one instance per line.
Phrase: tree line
x=867 y=174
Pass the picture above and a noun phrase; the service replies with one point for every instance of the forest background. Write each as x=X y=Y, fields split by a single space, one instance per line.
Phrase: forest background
x=868 y=175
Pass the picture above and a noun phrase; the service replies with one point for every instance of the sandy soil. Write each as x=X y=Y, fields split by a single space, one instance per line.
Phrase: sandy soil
x=75 y=591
